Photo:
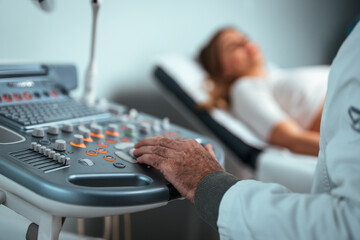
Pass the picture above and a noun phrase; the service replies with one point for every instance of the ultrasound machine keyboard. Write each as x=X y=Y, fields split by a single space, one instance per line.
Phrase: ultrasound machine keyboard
x=29 y=115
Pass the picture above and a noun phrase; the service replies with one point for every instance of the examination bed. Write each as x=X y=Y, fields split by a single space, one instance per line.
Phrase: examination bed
x=182 y=78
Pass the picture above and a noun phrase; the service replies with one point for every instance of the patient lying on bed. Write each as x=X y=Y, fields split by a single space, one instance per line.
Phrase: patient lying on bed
x=282 y=107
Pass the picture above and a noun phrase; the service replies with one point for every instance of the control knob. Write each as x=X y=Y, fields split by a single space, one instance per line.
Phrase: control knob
x=130 y=130
x=53 y=130
x=67 y=127
x=60 y=145
x=96 y=129
x=133 y=114
x=78 y=139
x=112 y=130
x=38 y=132
x=165 y=123
x=145 y=127
x=156 y=126
x=85 y=133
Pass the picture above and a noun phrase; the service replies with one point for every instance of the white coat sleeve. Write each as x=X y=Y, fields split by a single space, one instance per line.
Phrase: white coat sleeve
x=255 y=210
x=250 y=209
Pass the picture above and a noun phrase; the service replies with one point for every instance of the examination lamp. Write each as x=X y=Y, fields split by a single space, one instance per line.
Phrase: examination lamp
x=88 y=95
x=46 y=5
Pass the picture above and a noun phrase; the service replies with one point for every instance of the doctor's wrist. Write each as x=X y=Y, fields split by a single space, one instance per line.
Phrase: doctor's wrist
x=209 y=193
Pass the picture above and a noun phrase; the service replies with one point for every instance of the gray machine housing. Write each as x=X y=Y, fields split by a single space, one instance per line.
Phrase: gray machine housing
x=105 y=183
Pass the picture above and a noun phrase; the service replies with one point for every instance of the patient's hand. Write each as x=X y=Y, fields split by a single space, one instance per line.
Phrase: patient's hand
x=183 y=162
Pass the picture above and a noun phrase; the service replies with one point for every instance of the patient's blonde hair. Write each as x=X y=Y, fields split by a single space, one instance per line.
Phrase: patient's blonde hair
x=209 y=58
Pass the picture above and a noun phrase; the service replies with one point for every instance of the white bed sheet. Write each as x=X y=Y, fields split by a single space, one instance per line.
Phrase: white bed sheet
x=274 y=164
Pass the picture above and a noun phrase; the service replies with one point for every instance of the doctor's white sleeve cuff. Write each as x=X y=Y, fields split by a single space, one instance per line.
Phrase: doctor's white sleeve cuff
x=209 y=193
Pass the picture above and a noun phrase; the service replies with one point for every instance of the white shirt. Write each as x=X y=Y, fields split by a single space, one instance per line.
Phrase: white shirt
x=255 y=210
x=263 y=102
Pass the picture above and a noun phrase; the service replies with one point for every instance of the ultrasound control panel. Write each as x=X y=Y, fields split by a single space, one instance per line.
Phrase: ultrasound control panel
x=73 y=153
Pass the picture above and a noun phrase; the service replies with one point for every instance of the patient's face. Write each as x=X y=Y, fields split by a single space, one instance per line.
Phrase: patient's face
x=238 y=54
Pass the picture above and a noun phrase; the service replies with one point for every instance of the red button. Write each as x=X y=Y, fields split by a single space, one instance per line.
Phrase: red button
x=54 y=94
x=17 y=96
x=27 y=96
x=7 y=97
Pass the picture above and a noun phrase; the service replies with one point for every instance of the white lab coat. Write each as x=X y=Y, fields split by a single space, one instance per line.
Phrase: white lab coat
x=255 y=210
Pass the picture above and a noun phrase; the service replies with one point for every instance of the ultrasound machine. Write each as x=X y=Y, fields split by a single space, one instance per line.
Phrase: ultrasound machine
x=62 y=158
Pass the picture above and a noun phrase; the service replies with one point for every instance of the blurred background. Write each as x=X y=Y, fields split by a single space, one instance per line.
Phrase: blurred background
x=132 y=34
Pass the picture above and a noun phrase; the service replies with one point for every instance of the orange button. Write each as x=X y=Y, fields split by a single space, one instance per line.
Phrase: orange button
x=97 y=135
x=111 y=141
x=109 y=158
x=92 y=153
x=78 y=145
x=88 y=139
x=125 y=140
x=101 y=150
x=114 y=134
x=103 y=145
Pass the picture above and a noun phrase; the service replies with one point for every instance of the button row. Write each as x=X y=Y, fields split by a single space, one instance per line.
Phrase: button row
x=97 y=130
x=50 y=153
x=6 y=97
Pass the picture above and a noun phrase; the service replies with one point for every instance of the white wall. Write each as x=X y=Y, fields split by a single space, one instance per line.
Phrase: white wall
x=131 y=33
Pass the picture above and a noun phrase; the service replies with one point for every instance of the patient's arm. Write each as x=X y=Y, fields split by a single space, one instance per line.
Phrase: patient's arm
x=291 y=135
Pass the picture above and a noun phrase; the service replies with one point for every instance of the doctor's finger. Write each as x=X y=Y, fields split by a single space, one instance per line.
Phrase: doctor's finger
x=157 y=150
x=152 y=141
x=160 y=141
x=152 y=160
x=210 y=149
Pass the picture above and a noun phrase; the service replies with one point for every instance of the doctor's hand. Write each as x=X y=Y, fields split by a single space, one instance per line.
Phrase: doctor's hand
x=183 y=162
